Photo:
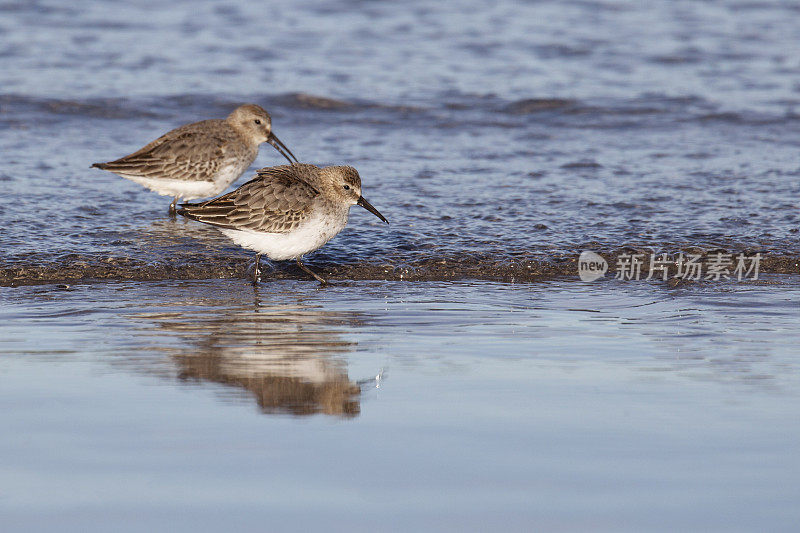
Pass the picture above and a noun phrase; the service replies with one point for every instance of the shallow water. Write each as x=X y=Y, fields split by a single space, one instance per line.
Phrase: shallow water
x=457 y=375
x=559 y=405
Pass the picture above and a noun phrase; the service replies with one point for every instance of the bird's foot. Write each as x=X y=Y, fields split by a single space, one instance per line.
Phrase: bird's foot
x=257 y=269
x=322 y=281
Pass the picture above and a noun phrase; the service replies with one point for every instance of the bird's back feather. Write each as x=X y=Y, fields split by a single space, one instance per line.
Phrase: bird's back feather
x=277 y=200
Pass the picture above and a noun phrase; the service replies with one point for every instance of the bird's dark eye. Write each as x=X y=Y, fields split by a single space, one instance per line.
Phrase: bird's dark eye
x=347 y=187
x=257 y=121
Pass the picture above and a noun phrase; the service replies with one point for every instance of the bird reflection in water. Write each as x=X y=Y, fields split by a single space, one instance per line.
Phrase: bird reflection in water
x=288 y=356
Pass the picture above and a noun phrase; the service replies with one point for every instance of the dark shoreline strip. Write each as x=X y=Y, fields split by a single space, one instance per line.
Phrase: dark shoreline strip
x=84 y=268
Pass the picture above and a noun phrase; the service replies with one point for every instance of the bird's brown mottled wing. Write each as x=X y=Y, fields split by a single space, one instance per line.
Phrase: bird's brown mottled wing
x=277 y=200
x=192 y=152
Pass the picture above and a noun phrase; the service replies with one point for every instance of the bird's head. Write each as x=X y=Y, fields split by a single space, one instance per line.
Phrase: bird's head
x=343 y=184
x=254 y=124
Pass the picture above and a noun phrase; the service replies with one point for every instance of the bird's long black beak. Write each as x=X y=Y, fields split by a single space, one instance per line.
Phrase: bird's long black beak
x=280 y=147
x=368 y=206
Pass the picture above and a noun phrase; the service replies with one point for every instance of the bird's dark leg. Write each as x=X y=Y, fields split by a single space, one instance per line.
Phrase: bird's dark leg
x=256 y=269
x=172 y=207
x=317 y=277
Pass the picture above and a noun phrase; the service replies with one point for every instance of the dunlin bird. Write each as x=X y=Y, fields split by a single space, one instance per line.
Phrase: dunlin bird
x=201 y=159
x=285 y=211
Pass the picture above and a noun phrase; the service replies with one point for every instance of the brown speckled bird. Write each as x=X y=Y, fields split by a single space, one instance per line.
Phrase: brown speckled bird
x=285 y=211
x=201 y=159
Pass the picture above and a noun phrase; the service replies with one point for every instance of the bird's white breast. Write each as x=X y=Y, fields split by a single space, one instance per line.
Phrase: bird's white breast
x=230 y=172
x=309 y=236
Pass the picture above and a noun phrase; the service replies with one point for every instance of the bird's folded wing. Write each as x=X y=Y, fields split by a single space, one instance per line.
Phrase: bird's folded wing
x=188 y=153
x=277 y=200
